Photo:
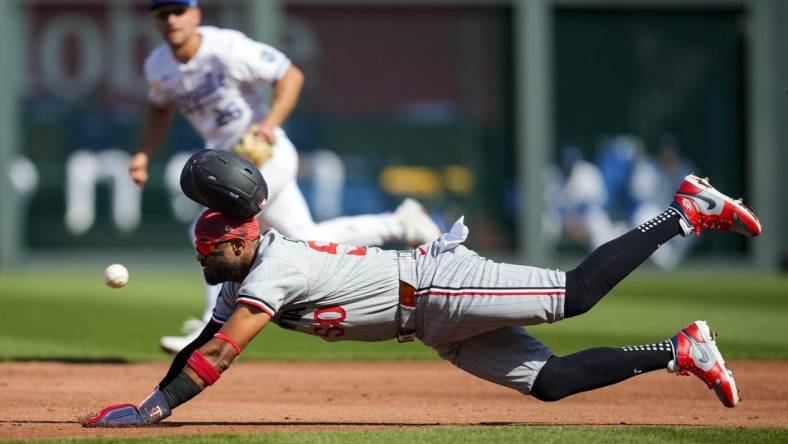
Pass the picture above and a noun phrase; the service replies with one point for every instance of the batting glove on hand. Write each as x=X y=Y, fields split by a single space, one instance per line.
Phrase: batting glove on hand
x=152 y=410
x=254 y=147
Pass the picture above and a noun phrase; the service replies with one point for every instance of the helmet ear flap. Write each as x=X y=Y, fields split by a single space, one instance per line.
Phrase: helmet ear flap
x=225 y=182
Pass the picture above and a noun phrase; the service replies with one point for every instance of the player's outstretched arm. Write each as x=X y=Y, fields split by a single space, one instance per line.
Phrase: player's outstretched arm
x=203 y=368
x=285 y=97
x=179 y=362
x=220 y=352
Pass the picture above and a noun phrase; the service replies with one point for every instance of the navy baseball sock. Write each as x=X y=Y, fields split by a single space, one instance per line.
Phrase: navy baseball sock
x=597 y=367
x=610 y=263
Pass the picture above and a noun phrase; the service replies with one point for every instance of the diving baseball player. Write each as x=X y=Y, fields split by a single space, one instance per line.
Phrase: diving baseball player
x=215 y=78
x=469 y=309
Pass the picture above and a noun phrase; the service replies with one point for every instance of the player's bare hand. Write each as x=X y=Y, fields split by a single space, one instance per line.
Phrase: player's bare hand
x=138 y=169
x=266 y=132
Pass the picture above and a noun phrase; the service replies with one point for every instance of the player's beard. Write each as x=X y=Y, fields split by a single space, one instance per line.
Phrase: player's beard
x=218 y=273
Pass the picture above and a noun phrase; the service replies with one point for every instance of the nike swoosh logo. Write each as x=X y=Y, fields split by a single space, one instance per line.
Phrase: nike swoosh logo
x=710 y=204
x=703 y=359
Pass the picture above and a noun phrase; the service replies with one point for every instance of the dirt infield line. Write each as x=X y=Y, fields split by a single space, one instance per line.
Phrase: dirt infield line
x=44 y=400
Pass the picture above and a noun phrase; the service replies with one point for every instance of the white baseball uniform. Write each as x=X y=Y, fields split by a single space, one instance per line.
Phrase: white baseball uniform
x=220 y=92
x=468 y=308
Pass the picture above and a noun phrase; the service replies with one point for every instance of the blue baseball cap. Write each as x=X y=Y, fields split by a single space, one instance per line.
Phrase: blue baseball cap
x=188 y=3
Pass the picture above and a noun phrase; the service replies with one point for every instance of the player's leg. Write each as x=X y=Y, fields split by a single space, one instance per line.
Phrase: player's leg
x=409 y=223
x=289 y=214
x=371 y=230
x=192 y=327
x=598 y=367
x=282 y=167
x=697 y=206
x=511 y=357
x=669 y=255
x=691 y=350
x=460 y=294
x=613 y=261
x=507 y=356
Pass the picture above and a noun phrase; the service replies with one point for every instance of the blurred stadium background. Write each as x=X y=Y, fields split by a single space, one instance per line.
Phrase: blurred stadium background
x=551 y=124
x=474 y=107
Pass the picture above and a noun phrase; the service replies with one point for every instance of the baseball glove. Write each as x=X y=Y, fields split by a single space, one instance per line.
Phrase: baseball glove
x=253 y=147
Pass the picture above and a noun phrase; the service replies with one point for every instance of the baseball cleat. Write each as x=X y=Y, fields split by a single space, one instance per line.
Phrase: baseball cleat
x=695 y=351
x=190 y=325
x=416 y=223
x=701 y=206
x=174 y=344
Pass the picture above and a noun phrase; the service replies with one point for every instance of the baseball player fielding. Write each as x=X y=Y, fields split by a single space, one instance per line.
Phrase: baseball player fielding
x=215 y=77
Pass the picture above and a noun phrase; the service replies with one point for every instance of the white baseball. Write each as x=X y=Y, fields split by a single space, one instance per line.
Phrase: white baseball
x=116 y=276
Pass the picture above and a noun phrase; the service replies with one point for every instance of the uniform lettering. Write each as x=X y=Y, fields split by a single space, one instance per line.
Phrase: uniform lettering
x=330 y=315
x=358 y=251
x=330 y=248
x=333 y=331
x=328 y=320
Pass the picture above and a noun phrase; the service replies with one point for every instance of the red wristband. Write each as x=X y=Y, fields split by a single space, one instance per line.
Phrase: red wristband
x=229 y=340
x=204 y=369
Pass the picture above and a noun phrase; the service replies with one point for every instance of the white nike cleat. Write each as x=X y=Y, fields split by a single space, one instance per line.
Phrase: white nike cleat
x=695 y=351
x=174 y=344
x=419 y=228
x=191 y=325
x=702 y=206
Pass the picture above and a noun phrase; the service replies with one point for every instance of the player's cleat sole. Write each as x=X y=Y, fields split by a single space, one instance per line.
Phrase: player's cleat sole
x=696 y=352
x=702 y=206
x=418 y=226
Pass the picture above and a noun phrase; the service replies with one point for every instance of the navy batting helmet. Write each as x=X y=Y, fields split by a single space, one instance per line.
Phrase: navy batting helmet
x=225 y=182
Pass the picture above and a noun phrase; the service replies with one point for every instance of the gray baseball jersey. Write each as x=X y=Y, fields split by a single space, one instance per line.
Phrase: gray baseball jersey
x=468 y=308
x=336 y=291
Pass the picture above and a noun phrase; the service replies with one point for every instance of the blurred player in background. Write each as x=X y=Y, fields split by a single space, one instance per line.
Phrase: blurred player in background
x=215 y=78
x=600 y=201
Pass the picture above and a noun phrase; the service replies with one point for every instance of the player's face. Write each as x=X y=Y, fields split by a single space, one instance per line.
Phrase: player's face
x=219 y=261
x=176 y=23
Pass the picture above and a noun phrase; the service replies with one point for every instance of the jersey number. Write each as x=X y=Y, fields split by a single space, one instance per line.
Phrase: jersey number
x=328 y=320
x=227 y=114
x=331 y=248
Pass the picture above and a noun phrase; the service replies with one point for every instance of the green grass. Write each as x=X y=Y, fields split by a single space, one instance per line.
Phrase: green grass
x=746 y=309
x=69 y=314
x=453 y=435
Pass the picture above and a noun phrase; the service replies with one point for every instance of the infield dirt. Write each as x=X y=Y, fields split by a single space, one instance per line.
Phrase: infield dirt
x=44 y=400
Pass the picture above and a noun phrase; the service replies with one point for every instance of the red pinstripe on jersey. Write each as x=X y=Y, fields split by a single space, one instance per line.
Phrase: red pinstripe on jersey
x=495 y=291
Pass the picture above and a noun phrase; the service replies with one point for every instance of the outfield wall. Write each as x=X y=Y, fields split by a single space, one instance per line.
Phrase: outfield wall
x=464 y=105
